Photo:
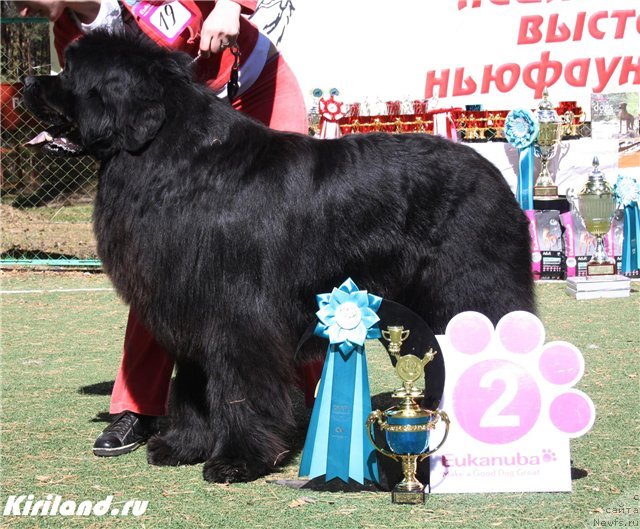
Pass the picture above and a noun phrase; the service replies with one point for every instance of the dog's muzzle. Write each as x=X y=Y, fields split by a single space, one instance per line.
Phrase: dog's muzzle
x=61 y=138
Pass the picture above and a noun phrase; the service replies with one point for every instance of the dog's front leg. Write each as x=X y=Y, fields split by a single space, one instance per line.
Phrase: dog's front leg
x=251 y=425
x=233 y=412
x=187 y=440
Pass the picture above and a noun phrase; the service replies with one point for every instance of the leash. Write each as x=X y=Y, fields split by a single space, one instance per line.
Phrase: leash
x=232 y=84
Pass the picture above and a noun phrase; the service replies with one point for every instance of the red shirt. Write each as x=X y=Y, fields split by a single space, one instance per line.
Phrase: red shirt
x=214 y=71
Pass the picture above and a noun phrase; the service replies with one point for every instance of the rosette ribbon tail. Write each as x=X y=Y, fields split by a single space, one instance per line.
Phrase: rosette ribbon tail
x=337 y=444
x=524 y=192
x=314 y=453
x=631 y=242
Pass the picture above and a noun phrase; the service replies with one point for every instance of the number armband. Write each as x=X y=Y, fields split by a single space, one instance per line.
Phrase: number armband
x=165 y=22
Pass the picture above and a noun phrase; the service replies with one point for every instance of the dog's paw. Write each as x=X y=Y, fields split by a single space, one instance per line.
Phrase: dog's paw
x=161 y=452
x=233 y=470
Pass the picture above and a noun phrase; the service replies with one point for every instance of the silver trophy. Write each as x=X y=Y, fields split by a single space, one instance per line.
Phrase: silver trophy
x=546 y=146
x=596 y=204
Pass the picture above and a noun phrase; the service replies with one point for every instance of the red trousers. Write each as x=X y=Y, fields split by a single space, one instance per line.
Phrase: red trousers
x=142 y=383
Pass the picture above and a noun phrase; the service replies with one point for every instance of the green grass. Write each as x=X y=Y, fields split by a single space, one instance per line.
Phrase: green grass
x=65 y=213
x=76 y=213
x=60 y=352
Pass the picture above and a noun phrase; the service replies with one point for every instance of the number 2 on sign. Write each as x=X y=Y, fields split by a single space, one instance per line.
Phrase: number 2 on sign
x=492 y=417
x=496 y=401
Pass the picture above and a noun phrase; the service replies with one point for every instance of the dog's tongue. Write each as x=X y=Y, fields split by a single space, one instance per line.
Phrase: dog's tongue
x=50 y=143
x=44 y=137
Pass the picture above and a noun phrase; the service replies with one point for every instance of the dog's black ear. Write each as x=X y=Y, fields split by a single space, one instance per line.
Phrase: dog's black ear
x=123 y=113
x=143 y=121
x=96 y=126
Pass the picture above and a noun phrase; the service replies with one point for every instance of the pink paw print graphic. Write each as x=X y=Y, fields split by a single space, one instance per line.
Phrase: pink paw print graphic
x=510 y=383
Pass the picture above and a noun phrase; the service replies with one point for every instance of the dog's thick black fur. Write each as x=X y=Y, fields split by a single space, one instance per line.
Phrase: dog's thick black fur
x=219 y=232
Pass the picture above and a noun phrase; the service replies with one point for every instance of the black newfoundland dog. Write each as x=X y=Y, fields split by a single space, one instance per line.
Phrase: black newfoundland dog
x=219 y=232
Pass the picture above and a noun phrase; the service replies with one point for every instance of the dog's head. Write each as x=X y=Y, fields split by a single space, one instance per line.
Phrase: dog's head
x=109 y=97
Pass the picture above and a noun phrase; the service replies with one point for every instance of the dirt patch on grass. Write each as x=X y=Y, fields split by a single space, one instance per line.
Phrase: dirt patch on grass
x=33 y=234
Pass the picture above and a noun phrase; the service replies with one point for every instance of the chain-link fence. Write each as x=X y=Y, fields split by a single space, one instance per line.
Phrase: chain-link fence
x=46 y=202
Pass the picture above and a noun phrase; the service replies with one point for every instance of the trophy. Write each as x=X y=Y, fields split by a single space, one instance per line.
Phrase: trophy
x=568 y=119
x=408 y=425
x=395 y=335
x=596 y=204
x=545 y=147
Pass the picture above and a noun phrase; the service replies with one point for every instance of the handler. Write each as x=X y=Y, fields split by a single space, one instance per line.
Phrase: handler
x=266 y=90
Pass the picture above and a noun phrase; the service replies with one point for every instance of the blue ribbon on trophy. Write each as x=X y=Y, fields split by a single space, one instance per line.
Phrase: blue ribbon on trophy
x=337 y=443
x=627 y=191
x=521 y=128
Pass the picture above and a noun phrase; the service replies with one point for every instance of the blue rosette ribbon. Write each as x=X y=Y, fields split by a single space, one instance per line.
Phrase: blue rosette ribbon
x=627 y=192
x=337 y=444
x=521 y=128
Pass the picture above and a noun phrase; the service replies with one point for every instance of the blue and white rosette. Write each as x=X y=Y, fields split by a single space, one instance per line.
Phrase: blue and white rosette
x=337 y=444
x=627 y=191
x=521 y=128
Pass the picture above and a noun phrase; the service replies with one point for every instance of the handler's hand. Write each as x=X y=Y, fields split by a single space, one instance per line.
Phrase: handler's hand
x=221 y=28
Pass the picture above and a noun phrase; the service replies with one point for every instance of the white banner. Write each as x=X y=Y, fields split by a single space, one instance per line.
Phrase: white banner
x=498 y=53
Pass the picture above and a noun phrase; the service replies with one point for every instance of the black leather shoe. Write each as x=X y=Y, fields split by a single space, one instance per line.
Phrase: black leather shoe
x=127 y=432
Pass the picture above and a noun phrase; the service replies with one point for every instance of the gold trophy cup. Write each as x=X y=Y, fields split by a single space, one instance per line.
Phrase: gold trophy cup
x=596 y=204
x=395 y=335
x=407 y=426
x=546 y=146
